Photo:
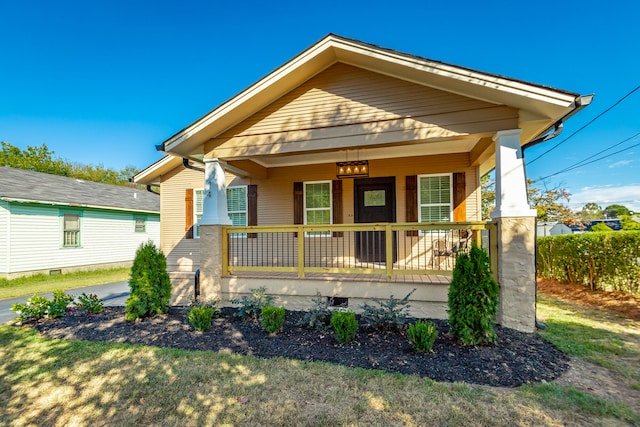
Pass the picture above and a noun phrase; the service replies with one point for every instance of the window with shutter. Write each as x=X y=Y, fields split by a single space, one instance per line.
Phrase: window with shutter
x=198 y=204
x=317 y=204
x=237 y=207
x=435 y=198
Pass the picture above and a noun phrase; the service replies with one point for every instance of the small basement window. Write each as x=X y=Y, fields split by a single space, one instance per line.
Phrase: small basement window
x=338 y=301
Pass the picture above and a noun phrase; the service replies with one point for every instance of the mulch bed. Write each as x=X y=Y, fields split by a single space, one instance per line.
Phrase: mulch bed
x=623 y=303
x=518 y=358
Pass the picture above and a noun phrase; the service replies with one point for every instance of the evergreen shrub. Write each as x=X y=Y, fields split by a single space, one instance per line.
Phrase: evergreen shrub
x=272 y=318
x=200 y=317
x=345 y=325
x=473 y=299
x=422 y=335
x=318 y=317
x=387 y=315
x=251 y=306
x=149 y=283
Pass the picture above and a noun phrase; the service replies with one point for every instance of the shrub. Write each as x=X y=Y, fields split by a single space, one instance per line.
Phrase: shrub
x=272 y=318
x=602 y=261
x=345 y=325
x=389 y=314
x=473 y=299
x=58 y=306
x=600 y=228
x=150 y=284
x=422 y=335
x=38 y=307
x=201 y=313
x=251 y=306
x=319 y=316
x=90 y=303
x=35 y=309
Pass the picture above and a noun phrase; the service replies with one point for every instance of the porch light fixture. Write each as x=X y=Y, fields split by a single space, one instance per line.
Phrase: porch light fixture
x=354 y=169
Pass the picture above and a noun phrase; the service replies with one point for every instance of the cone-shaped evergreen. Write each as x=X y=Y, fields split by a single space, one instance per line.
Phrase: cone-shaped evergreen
x=473 y=299
x=149 y=282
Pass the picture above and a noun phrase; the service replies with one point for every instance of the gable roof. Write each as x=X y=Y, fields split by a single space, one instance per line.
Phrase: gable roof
x=540 y=106
x=18 y=185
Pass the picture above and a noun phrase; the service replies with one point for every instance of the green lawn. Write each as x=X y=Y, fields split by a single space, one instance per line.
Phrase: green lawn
x=54 y=382
x=27 y=286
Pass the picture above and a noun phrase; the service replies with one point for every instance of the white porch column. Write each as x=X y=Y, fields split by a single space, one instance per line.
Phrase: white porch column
x=214 y=209
x=516 y=223
x=511 y=182
x=214 y=216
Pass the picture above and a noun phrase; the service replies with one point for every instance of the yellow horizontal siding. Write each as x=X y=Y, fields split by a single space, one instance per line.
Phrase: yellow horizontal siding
x=182 y=254
x=275 y=194
x=346 y=95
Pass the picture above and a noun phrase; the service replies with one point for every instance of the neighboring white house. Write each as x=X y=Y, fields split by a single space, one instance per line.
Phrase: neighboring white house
x=53 y=224
x=552 y=229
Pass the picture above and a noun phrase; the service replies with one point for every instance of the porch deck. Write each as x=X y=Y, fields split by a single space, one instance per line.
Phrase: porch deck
x=342 y=278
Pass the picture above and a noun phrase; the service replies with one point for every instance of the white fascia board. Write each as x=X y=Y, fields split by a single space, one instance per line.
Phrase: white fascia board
x=152 y=173
x=76 y=205
x=464 y=75
x=262 y=86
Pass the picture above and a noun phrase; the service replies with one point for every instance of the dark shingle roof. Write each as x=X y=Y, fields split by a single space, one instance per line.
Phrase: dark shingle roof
x=26 y=185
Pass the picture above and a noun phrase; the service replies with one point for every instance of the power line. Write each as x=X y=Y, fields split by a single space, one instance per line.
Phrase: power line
x=583 y=163
x=583 y=127
x=580 y=163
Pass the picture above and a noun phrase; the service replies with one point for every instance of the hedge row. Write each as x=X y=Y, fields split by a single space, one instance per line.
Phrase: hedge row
x=602 y=261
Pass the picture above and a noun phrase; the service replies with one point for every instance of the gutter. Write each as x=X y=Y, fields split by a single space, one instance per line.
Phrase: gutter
x=580 y=102
x=186 y=164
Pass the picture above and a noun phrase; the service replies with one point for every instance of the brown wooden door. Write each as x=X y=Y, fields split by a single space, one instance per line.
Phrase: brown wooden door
x=374 y=201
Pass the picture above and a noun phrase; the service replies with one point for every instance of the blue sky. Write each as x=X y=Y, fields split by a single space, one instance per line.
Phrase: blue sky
x=104 y=81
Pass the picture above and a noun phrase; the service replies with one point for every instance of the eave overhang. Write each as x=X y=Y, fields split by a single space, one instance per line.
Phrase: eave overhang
x=540 y=106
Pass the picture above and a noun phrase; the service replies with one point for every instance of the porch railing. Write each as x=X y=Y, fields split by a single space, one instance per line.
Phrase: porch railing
x=387 y=248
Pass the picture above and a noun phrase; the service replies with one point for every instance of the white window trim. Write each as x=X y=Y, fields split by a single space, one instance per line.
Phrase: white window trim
x=450 y=204
x=62 y=229
x=246 y=211
x=196 y=230
x=304 y=204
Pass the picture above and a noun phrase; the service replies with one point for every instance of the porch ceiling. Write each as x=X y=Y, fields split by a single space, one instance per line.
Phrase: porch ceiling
x=397 y=150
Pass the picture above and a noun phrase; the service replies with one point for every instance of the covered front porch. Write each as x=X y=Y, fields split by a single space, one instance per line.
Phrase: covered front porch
x=348 y=264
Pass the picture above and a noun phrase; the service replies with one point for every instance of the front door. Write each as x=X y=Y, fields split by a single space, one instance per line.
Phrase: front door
x=374 y=201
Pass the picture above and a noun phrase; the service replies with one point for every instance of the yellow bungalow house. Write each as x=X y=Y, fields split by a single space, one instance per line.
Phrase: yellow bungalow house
x=353 y=171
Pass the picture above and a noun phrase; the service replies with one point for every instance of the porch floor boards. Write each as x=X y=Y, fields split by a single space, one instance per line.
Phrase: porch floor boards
x=332 y=277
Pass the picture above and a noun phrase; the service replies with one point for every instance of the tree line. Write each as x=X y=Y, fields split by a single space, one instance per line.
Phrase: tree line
x=42 y=159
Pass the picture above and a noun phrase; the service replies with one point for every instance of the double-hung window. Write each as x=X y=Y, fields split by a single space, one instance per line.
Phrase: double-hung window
x=236 y=207
x=140 y=225
x=435 y=198
x=317 y=204
x=198 y=203
x=70 y=230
